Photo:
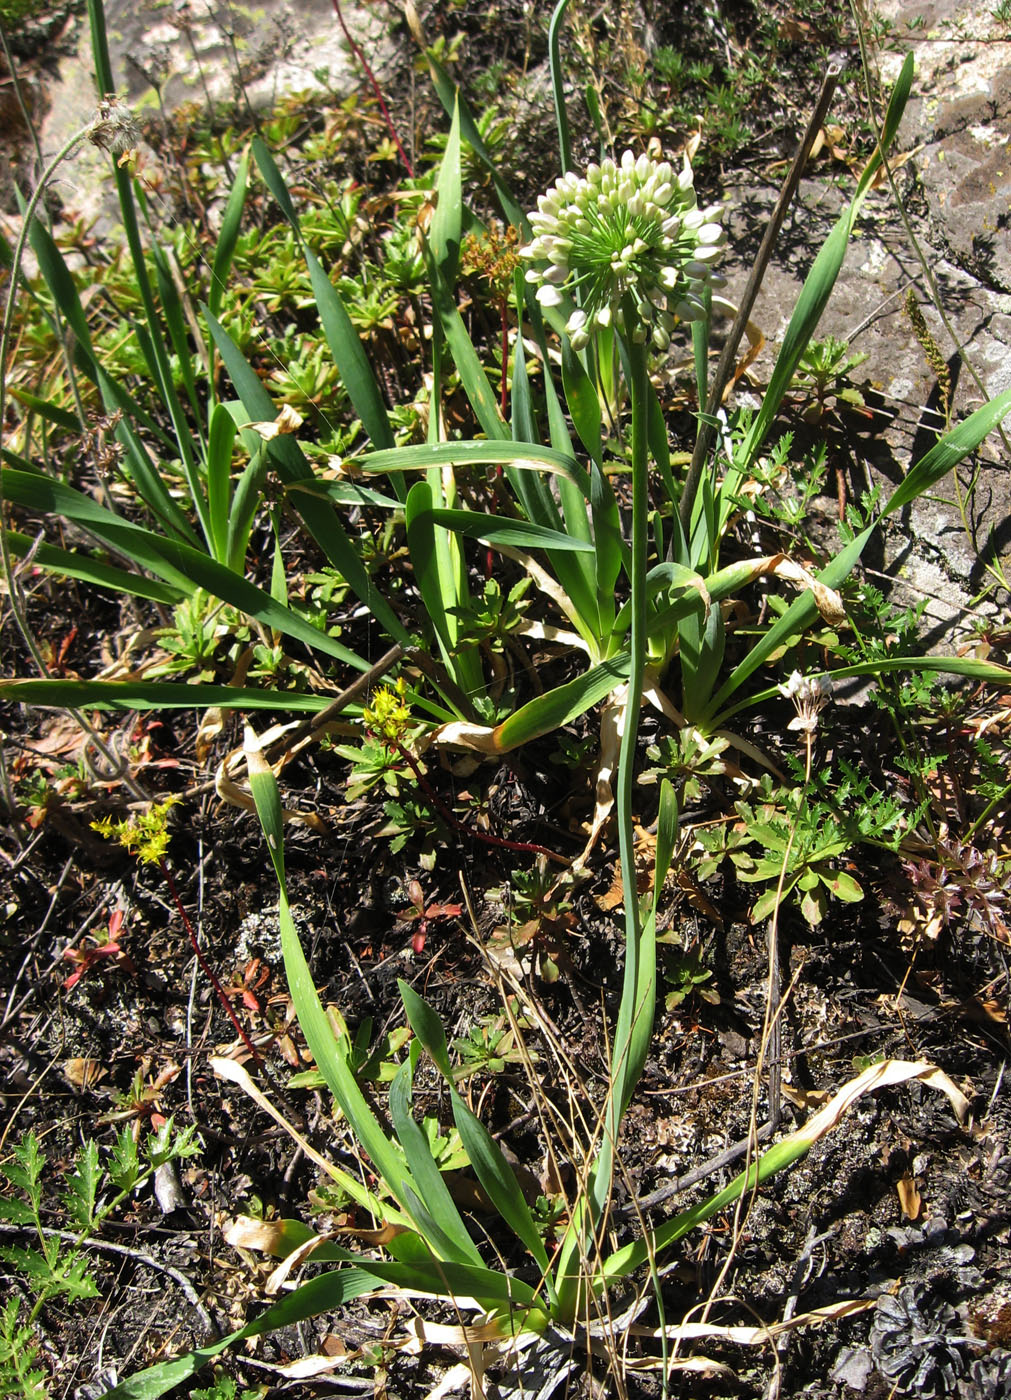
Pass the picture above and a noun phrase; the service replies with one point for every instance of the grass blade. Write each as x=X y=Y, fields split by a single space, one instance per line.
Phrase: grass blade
x=431 y=1184
x=70 y=564
x=490 y=1166
x=228 y=235
x=558 y=86
x=313 y=1020
x=294 y=469
x=155 y=695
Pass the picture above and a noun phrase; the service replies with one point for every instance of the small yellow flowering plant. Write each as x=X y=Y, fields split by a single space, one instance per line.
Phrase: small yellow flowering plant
x=145 y=835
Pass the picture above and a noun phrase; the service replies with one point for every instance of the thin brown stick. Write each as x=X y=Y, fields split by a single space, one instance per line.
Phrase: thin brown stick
x=726 y=362
x=356 y=50
x=208 y=971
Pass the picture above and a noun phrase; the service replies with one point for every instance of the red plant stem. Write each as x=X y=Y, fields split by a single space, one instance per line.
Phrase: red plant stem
x=528 y=847
x=356 y=50
x=505 y=359
x=207 y=969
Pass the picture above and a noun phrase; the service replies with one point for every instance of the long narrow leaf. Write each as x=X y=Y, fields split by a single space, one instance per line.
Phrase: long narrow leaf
x=316 y=1027
x=558 y=86
x=342 y=338
x=818 y=287
x=453 y=100
x=319 y=1295
x=500 y=529
x=228 y=235
x=294 y=469
x=524 y=455
x=431 y=1184
x=71 y=564
x=560 y=706
x=490 y=1166
x=155 y=695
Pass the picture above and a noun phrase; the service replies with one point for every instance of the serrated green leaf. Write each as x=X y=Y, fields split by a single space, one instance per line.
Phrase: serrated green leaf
x=124 y=1162
x=82 y=1186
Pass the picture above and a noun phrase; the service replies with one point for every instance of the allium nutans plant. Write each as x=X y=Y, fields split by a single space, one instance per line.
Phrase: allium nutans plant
x=630 y=256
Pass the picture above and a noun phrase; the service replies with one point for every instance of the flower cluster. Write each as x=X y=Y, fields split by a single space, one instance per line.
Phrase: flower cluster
x=628 y=232
x=810 y=695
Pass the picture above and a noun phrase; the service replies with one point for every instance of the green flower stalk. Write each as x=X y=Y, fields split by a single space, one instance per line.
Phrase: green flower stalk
x=630 y=243
x=628 y=232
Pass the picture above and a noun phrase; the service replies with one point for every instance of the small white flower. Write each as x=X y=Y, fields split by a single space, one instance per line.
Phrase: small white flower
x=625 y=233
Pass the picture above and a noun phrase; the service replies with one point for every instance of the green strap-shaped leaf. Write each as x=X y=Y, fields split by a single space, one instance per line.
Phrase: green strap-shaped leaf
x=342 y=338
x=177 y=563
x=490 y=1167
x=453 y=101
x=293 y=468
x=524 y=455
x=501 y=529
x=431 y=1184
x=228 y=235
x=71 y=564
x=558 y=707
x=331 y=1061
x=815 y=293
x=558 y=86
x=156 y=695
x=319 y=1295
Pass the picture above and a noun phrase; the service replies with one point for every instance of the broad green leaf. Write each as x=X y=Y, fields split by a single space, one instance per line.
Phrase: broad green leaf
x=342 y=338
x=350 y=357
x=466 y=358
x=220 y=443
x=844 y=887
x=560 y=706
x=178 y=564
x=52 y=412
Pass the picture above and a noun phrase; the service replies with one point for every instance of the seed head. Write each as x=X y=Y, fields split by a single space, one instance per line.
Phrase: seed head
x=630 y=230
x=115 y=128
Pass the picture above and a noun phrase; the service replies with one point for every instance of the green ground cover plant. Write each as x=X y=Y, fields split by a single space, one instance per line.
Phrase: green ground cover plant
x=635 y=584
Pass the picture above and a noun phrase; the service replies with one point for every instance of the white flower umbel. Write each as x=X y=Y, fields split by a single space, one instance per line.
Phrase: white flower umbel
x=625 y=233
